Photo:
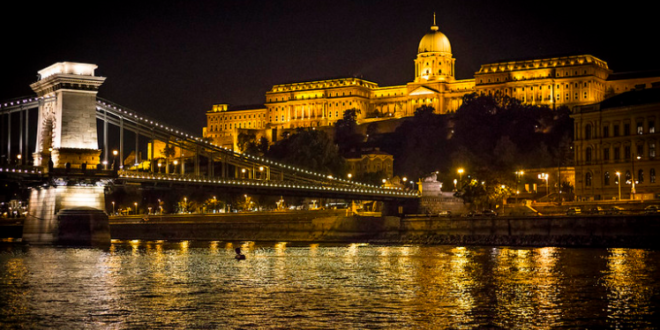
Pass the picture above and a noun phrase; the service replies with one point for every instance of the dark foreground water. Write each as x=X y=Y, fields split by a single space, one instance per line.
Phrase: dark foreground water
x=137 y=285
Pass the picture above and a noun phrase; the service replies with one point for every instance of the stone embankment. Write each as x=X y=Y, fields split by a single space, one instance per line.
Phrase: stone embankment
x=641 y=231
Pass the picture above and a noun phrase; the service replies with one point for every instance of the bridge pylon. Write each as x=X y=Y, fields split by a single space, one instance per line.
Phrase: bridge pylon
x=66 y=131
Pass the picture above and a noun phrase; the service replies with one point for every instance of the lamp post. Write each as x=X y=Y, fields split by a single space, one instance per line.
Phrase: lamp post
x=460 y=176
x=114 y=158
x=503 y=198
x=18 y=160
x=632 y=188
x=242 y=173
x=158 y=167
x=113 y=207
x=618 y=179
x=351 y=175
x=544 y=176
x=518 y=175
x=136 y=210
x=176 y=162
x=261 y=170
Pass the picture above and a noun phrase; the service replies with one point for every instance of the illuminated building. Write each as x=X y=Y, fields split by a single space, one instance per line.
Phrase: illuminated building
x=370 y=161
x=619 y=134
x=555 y=81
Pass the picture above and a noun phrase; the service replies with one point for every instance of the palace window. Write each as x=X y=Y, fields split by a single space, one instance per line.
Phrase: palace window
x=587 y=132
x=606 y=179
x=617 y=153
x=585 y=95
x=640 y=150
x=588 y=155
x=652 y=175
x=626 y=129
x=626 y=152
x=587 y=179
x=615 y=131
x=651 y=149
x=651 y=126
x=606 y=131
x=606 y=154
x=576 y=96
x=640 y=128
x=640 y=176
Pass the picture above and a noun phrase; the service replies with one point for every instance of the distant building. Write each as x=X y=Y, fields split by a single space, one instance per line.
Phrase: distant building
x=554 y=81
x=620 y=135
x=370 y=161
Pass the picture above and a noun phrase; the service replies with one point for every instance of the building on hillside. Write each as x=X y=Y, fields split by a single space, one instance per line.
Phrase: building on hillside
x=370 y=161
x=554 y=81
x=618 y=135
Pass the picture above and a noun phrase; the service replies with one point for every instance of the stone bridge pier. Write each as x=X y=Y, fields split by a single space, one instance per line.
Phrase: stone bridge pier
x=67 y=138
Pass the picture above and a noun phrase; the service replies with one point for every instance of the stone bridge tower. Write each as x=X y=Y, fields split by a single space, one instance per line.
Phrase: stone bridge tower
x=66 y=130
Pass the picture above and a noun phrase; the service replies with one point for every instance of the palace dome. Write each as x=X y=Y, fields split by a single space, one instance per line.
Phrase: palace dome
x=434 y=41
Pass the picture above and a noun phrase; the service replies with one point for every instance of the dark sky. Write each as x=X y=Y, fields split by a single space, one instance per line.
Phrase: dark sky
x=173 y=59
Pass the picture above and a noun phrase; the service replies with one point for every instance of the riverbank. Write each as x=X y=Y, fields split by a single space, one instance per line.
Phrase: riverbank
x=642 y=231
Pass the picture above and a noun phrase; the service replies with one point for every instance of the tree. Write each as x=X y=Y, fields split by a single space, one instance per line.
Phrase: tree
x=310 y=149
x=346 y=135
x=168 y=152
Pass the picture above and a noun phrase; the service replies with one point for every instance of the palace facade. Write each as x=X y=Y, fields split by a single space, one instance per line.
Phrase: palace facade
x=557 y=81
x=616 y=145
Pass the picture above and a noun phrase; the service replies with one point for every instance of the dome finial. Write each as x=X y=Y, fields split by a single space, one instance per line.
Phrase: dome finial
x=434 y=27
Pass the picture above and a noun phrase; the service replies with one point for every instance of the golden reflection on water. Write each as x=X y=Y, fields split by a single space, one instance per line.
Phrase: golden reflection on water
x=213 y=246
x=627 y=296
x=187 y=284
x=528 y=287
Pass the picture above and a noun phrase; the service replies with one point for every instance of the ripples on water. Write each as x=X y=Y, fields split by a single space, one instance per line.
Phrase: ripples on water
x=138 y=284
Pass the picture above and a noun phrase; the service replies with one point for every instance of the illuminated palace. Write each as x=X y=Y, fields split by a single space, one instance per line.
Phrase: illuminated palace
x=558 y=81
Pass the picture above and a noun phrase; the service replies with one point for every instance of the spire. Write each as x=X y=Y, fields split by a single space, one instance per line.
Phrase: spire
x=434 y=27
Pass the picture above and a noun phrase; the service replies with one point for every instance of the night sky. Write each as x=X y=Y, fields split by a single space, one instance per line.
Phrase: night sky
x=173 y=59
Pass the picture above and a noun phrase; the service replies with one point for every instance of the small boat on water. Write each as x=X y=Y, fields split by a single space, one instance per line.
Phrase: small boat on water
x=239 y=255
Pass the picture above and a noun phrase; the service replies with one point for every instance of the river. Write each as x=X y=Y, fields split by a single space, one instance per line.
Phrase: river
x=199 y=285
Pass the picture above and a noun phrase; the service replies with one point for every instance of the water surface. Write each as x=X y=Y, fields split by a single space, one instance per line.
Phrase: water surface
x=137 y=284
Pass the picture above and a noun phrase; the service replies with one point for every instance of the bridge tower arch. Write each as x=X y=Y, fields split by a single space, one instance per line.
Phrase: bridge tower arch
x=66 y=131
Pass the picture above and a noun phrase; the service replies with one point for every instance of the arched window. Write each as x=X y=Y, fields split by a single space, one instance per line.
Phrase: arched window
x=587 y=179
x=588 y=155
x=640 y=176
x=587 y=132
x=652 y=175
x=628 y=177
x=607 y=178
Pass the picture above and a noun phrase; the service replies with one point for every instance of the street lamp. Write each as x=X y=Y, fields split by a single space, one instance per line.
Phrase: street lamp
x=518 y=175
x=158 y=167
x=176 y=162
x=351 y=175
x=18 y=161
x=243 y=173
x=460 y=176
x=136 y=210
x=632 y=188
x=618 y=179
x=114 y=158
x=261 y=170
x=545 y=176
x=113 y=207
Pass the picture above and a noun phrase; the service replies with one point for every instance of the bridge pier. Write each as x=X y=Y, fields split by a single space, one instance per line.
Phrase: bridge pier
x=50 y=212
x=67 y=138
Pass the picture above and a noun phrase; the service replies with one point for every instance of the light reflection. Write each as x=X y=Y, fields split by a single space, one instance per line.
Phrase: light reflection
x=528 y=287
x=627 y=297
